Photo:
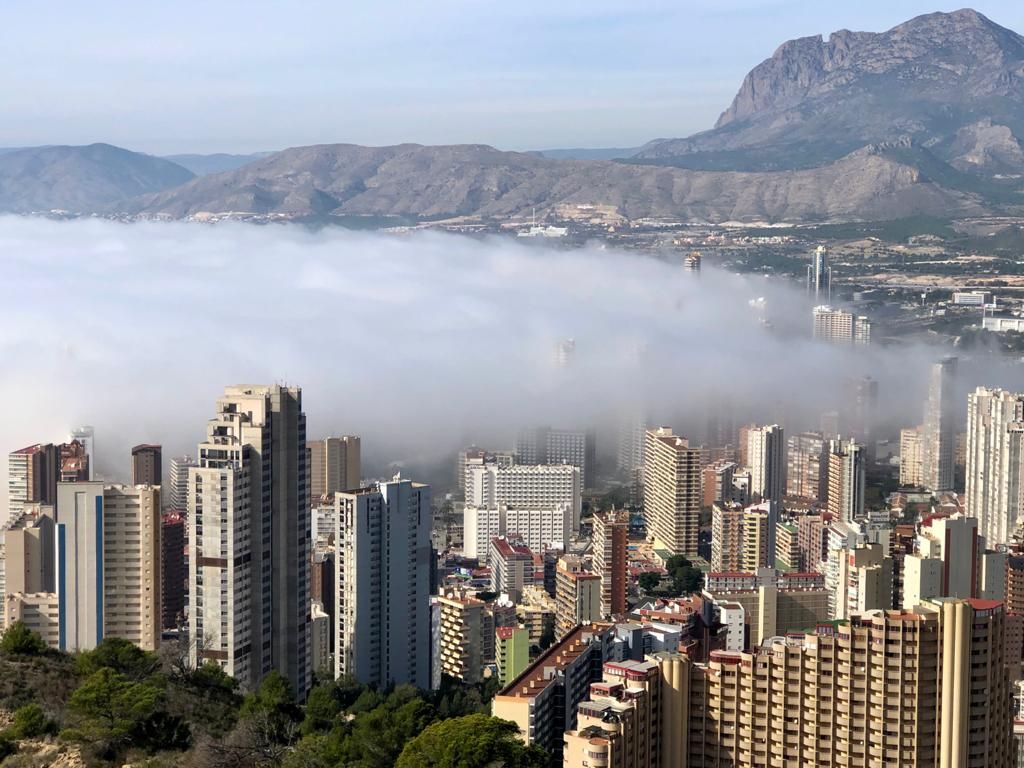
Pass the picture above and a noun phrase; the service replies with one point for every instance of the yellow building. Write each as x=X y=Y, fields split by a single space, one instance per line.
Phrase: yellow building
x=577 y=595
x=462 y=627
x=672 y=491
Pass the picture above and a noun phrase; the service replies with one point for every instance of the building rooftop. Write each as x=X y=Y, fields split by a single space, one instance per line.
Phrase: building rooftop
x=539 y=675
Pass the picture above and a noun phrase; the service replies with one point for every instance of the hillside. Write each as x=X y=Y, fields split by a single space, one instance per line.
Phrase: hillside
x=80 y=179
x=443 y=182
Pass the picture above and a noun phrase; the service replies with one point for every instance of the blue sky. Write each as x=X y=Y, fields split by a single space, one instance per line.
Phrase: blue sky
x=245 y=76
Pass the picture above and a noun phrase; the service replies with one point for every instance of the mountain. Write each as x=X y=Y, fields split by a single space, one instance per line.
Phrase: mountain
x=81 y=179
x=203 y=165
x=601 y=153
x=475 y=180
x=949 y=81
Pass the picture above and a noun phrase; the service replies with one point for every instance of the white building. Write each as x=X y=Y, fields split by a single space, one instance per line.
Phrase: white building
x=766 y=455
x=177 y=492
x=382 y=585
x=558 y=446
x=838 y=326
x=248 y=531
x=995 y=462
x=938 y=433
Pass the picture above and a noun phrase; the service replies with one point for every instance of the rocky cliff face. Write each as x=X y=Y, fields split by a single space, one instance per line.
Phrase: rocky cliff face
x=928 y=78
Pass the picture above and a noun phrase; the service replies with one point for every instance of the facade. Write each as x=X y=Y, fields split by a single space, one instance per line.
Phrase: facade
x=382 y=582
x=717 y=482
x=757 y=539
x=577 y=595
x=79 y=566
x=819 y=277
x=249 y=541
x=726 y=537
x=837 y=326
x=864 y=582
x=525 y=487
x=559 y=446
x=173 y=573
x=131 y=564
x=995 y=462
x=177 y=481
x=463 y=624
x=787 y=548
x=911 y=457
x=32 y=477
x=672 y=492
x=512 y=652
x=512 y=567
x=766 y=457
x=811 y=540
x=806 y=466
x=938 y=433
x=611 y=550
x=847 y=476
x=147 y=466
x=320 y=631
x=335 y=465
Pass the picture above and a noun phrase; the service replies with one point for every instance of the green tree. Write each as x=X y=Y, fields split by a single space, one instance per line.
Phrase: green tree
x=470 y=742
x=120 y=655
x=649 y=581
x=29 y=722
x=107 y=708
x=19 y=640
x=547 y=633
x=322 y=709
x=378 y=736
x=685 y=578
x=272 y=709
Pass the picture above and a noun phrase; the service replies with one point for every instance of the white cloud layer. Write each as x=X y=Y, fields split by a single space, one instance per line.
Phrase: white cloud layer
x=420 y=343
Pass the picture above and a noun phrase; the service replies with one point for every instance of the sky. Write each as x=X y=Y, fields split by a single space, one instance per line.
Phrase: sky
x=234 y=76
x=422 y=344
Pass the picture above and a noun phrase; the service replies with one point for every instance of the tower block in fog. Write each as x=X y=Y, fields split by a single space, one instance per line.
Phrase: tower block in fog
x=819 y=277
x=672 y=493
x=334 y=465
x=995 y=462
x=249 y=530
x=938 y=433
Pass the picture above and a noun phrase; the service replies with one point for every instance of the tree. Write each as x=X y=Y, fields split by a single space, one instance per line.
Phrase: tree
x=29 y=722
x=120 y=655
x=547 y=634
x=107 y=708
x=272 y=710
x=19 y=640
x=685 y=578
x=470 y=742
x=649 y=581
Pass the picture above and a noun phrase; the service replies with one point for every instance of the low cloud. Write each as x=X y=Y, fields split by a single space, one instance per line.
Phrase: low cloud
x=420 y=343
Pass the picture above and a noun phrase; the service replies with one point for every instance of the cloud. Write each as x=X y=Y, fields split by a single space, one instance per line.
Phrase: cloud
x=421 y=343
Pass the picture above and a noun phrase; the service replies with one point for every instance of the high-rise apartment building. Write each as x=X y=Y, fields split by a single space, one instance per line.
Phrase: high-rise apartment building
x=512 y=652
x=147 y=466
x=577 y=595
x=80 y=565
x=726 y=537
x=758 y=539
x=838 y=326
x=131 y=564
x=539 y=503
x=249 y=538
x=995 y=462
x=766 y=457
x=819 y=277
x=559 y=446
x=86 y=437
x=847 y=477
x=611 y=559
x=672 y=493
x=32 y=474
x=865 y=581
x=911 y=457
x=335 y=464
x=512 y=568
x=807 y=466
x=716 y=482
x=382 y=582
x=173 y=573
x=462 y=628
x=938 y=432
x=177 y=491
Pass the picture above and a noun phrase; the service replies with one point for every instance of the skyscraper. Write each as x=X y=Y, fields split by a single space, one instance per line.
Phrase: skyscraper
x=995 y=462
x=87 y=437
x=838 y=326
x=131 y=564
x=249 y=529
x=611 y=563
x=558 y=446
x=383 y=584
x=173 y=574
x=334 y=465
x=847 y=477
x=147 y=467
x=766 y=454
x=938 y=433
x=32 y=474
x=911 y=457
x=80 y=565
x=807 y=466
x=177 y=481
x=819 y=277
x=672 y=493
